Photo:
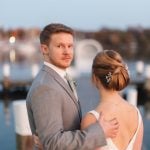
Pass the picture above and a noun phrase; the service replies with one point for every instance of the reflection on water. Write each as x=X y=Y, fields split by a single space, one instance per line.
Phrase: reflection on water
x=7 y=133
x=7 y=113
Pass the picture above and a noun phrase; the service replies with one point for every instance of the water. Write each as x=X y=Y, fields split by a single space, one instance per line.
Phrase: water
x=7 y=134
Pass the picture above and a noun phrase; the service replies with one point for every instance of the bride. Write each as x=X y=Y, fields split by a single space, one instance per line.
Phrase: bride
x=110 y=75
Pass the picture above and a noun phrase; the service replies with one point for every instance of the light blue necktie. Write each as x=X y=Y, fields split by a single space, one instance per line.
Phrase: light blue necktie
x=71 y=84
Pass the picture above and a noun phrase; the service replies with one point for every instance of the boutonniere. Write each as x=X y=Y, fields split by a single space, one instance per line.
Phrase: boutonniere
x=74 y=82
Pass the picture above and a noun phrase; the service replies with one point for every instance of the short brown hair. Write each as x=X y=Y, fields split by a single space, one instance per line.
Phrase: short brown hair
x=52 y=28
x=110 y=69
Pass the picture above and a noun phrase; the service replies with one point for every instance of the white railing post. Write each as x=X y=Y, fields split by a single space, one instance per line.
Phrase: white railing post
x=22 y=128
x=132 y=96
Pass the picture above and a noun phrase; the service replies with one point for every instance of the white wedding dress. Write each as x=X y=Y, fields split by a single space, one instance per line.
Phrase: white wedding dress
x=110 y=144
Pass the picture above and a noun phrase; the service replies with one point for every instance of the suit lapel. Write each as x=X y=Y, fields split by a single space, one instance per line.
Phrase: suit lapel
x=68 y=90
x=64 y=85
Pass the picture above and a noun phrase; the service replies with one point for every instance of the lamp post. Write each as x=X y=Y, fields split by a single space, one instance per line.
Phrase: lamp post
x=12 y=54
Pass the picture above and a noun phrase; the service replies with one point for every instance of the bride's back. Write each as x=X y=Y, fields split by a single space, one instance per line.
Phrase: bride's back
x=127 y=116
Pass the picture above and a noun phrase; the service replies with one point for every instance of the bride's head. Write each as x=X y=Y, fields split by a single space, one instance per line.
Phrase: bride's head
x=109 y=69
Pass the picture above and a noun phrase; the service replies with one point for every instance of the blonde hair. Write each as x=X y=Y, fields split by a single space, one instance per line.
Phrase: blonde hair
x=109 y=68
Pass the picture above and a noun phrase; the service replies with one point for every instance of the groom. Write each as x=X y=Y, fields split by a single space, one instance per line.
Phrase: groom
x=53 y=109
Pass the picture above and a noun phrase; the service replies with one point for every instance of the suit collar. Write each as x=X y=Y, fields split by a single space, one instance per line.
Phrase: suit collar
x=61 y=72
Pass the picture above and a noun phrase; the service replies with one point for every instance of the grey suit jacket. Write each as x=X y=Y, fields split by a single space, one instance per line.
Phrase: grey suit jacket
x=55 y=115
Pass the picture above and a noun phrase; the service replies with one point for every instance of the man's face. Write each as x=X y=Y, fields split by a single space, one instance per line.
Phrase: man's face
x=60 y=50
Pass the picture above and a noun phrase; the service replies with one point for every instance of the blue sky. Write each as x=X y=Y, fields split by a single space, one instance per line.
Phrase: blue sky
x=79 y=14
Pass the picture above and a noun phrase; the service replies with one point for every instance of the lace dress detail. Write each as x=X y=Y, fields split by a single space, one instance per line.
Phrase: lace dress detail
x=110 y=145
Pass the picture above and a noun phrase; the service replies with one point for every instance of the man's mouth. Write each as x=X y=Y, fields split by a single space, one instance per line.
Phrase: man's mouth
x=66 y=58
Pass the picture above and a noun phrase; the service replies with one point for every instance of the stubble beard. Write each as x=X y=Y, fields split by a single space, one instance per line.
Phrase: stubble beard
x=60 y=65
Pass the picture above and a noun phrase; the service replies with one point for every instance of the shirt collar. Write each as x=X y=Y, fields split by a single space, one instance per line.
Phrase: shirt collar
x=61 y=72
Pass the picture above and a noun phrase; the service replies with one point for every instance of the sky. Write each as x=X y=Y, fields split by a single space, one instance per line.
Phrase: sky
x=79 y=14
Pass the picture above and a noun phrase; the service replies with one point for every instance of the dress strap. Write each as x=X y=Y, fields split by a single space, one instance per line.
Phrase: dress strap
x=139 y=123
x=95 y=113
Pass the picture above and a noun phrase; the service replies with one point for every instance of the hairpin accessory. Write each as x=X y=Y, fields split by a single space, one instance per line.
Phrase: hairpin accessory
x=108 y=77
x=126 y=67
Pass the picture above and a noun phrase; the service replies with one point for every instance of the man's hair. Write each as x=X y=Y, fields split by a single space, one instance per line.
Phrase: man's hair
x=51 y=29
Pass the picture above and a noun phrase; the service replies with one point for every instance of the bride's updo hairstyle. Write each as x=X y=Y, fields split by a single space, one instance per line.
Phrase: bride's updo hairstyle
x=110 y=69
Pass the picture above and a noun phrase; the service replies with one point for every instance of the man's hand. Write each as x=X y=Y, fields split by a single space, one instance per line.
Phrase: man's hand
x=110 y=127
x=37 y=142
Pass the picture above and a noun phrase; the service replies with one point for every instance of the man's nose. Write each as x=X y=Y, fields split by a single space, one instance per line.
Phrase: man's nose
x=67 y=49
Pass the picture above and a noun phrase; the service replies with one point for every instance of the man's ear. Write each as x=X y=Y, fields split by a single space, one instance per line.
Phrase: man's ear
x=44 y=49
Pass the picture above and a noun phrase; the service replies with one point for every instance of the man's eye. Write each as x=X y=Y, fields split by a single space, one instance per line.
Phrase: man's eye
x=59 y=46
x=70 y=46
